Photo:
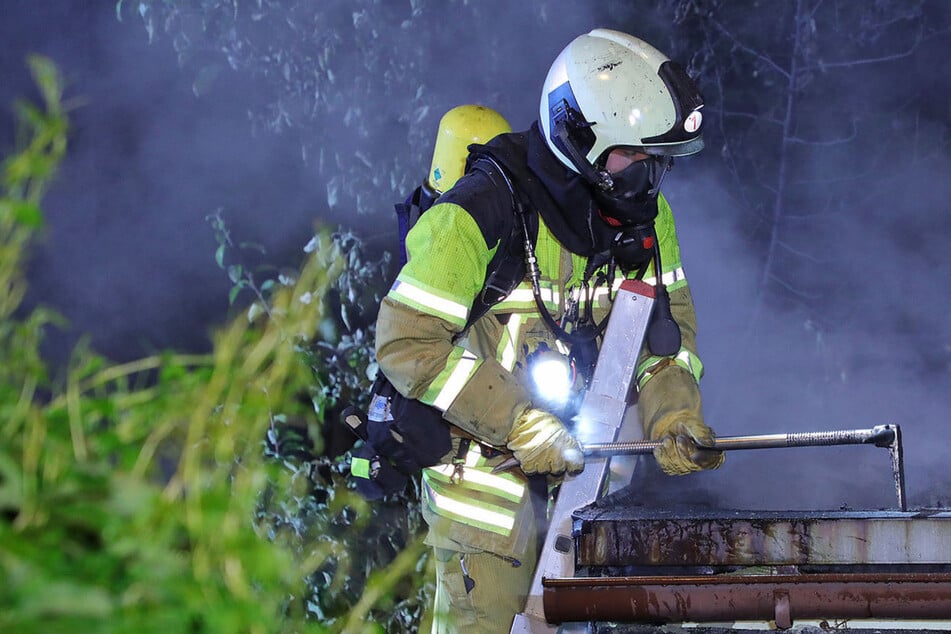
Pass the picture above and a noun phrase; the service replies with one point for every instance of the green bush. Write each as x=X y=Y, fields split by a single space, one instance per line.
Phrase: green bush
x=170 y=494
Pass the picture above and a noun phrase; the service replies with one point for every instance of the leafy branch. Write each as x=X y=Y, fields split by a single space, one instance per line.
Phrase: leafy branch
x=144 y=496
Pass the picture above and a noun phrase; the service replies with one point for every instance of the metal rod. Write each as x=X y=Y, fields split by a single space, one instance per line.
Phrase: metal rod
x=880 y=436
x=886 y=436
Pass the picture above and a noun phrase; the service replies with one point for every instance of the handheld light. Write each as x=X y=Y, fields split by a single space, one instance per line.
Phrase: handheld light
x=552 y=377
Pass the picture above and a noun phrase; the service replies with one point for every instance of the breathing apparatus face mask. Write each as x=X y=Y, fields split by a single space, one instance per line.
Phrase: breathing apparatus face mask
x=630 y=204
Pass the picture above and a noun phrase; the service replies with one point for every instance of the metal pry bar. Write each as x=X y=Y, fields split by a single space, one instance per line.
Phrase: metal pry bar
x=898 y=465
x=887 y=436
x=880 y=436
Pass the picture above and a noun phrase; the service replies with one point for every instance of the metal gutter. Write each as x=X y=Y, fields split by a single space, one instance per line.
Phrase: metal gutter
x=779 y=598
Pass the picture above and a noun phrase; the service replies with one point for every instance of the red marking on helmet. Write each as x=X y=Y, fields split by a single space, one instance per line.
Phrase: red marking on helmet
x=648 y=242
x=692 y=122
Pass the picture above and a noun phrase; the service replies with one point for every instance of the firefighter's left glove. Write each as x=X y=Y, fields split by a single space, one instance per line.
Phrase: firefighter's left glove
x=542 y=444
x=683 y=436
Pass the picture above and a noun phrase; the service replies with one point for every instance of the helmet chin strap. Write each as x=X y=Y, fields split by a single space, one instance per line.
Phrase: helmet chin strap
x=664 y=164
x=598 y=178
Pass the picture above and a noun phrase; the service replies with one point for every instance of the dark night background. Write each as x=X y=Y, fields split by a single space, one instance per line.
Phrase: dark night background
x=814 y=226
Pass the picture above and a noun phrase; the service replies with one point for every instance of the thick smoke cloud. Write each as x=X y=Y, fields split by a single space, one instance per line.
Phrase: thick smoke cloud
x=128 y=254
x=791 y=374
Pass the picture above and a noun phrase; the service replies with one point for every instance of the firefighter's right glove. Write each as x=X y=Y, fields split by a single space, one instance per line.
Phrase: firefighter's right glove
x=683 y=436
x=542 y=444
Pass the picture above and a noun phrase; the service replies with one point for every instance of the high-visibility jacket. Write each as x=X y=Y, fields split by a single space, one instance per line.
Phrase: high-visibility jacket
x=476 y=378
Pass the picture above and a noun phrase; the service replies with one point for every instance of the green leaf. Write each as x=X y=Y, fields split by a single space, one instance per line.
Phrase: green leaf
x=61 y=598
x=46 y=76
x=233 y=294
x=235 y=272
x=171 y=372
x=101 y=408
x=254 y=310
x=130 y=496
x=29 y=214
x=220 y=256
x=252 y=246
x=11 y=488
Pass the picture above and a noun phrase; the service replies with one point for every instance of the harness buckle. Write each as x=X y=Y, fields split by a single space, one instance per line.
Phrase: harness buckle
x=459 y=462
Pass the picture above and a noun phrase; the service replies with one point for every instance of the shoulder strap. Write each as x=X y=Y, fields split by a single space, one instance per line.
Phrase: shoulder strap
x=506 y=270
x=409 y=211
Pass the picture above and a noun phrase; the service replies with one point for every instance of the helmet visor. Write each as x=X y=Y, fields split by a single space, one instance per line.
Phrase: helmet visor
x=685 y=148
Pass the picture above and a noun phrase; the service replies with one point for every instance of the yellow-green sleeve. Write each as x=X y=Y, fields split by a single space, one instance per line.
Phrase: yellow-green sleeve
x=420 y=320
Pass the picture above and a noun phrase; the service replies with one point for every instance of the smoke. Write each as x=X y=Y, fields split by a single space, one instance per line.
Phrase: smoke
x=127 y=255
x=879 y=352
x=850 y=329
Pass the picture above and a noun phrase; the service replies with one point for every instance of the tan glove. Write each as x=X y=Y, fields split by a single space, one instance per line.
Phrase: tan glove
x=542 y=444
x=683 y=435
x=670 y=410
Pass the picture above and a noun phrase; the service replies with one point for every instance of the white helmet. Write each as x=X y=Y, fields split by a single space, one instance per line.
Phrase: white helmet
x=609 y=89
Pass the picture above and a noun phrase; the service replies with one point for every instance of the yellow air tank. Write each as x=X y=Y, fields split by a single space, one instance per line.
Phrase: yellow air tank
x=458 y=128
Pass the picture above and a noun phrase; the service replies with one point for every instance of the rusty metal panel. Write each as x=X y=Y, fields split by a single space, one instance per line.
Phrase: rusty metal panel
x=782 y=598
x=638 y=537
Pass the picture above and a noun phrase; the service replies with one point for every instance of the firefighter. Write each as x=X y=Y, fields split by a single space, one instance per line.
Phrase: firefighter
x=614 y=112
